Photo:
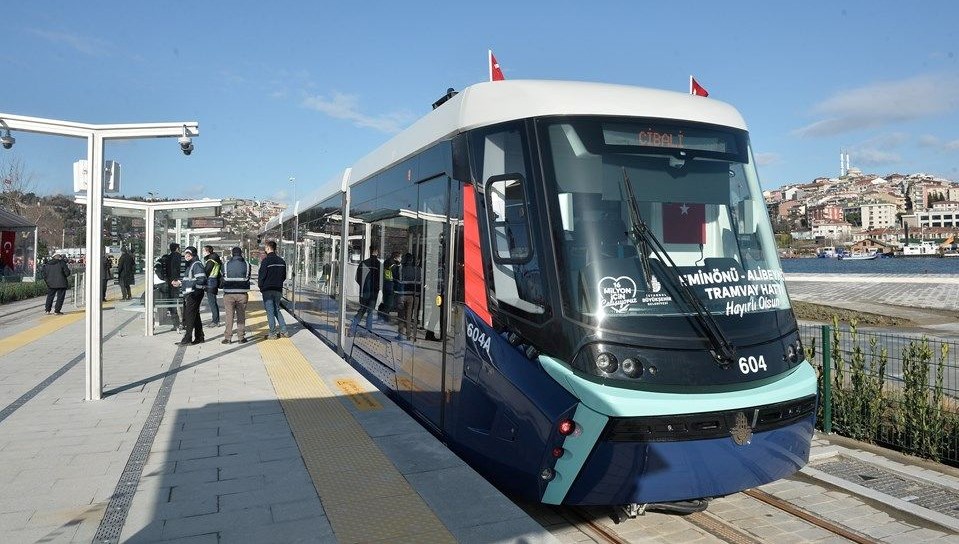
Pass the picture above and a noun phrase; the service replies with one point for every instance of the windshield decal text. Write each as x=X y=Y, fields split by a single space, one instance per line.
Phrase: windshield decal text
x=617 y=294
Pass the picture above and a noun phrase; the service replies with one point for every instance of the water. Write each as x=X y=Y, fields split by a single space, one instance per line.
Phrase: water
x=895 y=265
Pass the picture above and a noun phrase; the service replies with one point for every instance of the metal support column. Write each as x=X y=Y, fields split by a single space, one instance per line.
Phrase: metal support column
x=94 y=307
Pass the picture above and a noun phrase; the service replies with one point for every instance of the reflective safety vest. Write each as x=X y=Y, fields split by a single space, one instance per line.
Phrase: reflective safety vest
x=236 y=276
x=195 y=277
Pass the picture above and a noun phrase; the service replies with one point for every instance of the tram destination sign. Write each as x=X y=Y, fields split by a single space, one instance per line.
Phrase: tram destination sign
x=665 y=136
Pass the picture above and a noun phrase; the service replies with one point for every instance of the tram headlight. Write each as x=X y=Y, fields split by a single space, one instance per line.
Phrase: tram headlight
x=791 y=356
x=799 y=349
x=606 y=362
x=633 y=367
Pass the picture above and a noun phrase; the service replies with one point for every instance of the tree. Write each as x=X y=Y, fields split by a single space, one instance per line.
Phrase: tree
x=17 y=185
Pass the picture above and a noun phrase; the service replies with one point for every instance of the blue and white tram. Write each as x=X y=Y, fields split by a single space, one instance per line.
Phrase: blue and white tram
x=584 y=300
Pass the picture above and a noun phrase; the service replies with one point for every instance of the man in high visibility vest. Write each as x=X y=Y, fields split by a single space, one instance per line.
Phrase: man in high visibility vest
x=193 y=284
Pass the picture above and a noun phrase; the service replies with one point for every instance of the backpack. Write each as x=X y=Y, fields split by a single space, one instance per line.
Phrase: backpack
x=162 y=267
x=215 y=271
x=388 y=274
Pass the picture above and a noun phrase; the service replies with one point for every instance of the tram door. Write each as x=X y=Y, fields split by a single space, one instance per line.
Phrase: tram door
x=428 y=350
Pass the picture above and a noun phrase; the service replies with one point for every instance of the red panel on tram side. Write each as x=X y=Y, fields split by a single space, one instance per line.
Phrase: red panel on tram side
x=473 y=257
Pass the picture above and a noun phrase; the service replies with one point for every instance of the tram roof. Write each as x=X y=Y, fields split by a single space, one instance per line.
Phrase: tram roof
x=495 y=102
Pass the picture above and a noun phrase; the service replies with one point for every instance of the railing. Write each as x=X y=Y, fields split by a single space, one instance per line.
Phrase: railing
x=897 y=391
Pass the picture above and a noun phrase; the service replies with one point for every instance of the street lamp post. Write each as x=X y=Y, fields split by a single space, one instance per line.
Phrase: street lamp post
x=296 y=229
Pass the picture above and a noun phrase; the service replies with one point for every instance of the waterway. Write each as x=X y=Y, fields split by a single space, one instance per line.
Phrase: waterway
x=895 y=265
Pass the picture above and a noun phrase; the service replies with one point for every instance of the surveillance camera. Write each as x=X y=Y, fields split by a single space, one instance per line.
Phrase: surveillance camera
x=7 y=140
x=186 y=144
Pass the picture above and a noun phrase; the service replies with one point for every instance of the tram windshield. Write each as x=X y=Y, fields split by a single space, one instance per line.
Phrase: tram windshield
x=692 y=188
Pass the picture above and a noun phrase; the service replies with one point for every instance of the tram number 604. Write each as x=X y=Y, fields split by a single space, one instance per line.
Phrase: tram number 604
x=752 y=364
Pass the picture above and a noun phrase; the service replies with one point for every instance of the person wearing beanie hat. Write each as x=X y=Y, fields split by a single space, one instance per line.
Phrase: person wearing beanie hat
x=194 y=287
x=236 y=287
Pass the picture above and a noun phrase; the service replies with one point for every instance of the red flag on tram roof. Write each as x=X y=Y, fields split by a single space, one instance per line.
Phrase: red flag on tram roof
x=695 y=88
x=684 y=223
x=495 y=74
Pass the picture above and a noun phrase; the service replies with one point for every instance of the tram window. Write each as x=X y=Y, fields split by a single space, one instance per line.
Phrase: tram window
x=509 y=224
x=500 y=160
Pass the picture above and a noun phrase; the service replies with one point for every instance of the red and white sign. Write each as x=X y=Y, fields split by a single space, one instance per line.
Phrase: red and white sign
x=684 y=223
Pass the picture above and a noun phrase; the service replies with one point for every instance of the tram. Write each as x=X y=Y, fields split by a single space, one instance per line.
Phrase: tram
x=585 y=300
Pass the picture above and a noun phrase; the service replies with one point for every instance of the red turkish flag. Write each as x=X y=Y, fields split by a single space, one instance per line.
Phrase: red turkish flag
x=684 y=223
x=7 y=240
x=495 y=74
x=695 y=88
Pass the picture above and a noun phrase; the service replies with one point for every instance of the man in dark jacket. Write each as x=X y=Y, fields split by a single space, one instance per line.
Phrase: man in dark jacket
x=270 y=280
x=236 y=287
x=106 y=276
x=172 y=273
x=125 y=272
x=194 y=285
x=213 y=266
x=55 y=273
x=368 y=277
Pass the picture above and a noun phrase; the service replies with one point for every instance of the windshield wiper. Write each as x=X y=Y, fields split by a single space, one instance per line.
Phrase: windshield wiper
x=722 y=350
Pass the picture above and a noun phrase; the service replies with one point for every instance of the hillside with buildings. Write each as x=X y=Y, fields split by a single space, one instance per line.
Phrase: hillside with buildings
x=866 y=212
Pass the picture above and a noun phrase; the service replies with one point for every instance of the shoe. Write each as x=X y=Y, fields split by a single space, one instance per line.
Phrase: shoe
x=241 y=341
x=48 y=312
x=226 y=341
x=282 y=334
x=58 y=313
x=182 y=343
x=198 y=341
x=271 y=336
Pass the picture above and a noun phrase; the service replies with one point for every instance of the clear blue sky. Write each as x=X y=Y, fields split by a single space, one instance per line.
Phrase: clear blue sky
x=301 y=89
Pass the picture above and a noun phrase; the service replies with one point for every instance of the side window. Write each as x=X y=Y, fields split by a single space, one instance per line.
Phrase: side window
x=500 y=165
x=508 y=220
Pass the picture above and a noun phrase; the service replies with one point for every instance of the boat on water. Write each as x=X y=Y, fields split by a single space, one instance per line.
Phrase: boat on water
x=924 y=248
x=859 y=256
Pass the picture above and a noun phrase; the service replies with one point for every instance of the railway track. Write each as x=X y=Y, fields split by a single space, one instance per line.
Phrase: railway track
x=751 y=517
x=597 y=526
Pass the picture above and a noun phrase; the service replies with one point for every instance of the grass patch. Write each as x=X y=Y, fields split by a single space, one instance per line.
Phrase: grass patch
x=817 y=312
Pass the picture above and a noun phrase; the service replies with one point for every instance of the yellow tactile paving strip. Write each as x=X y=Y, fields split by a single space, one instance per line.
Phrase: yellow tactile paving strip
x=48 y=325
x=365 y=497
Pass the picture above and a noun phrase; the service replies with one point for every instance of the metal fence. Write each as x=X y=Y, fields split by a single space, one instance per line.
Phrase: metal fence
x=897 y=391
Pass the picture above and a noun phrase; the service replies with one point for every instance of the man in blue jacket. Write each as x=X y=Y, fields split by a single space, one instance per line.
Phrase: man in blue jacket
x=236 y=285
x=270 y=280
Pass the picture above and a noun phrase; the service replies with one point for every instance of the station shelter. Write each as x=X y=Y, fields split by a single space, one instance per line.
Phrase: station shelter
x=146 y=229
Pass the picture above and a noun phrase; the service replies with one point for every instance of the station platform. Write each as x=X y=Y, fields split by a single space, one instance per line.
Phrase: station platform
x=268 y=441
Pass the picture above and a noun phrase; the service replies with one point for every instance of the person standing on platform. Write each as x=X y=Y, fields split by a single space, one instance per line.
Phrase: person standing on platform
x=390 y=280
x=169 y=270
x=236 y=287
x=270 y=280
x=56 y=274
x=105 y=276
x=368 y=278
x=125 y=273
x=194 y=285
x=408 y=291
x=213 y=266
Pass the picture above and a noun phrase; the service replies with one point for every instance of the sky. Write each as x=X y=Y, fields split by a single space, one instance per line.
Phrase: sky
x=303 y=89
